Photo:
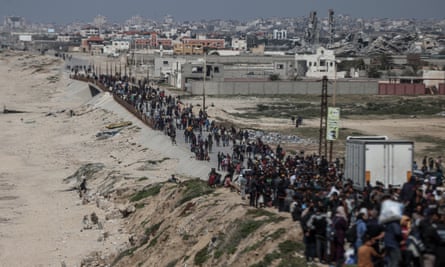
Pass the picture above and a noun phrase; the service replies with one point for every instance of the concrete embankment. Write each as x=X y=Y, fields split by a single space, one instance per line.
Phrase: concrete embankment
x=154 y=140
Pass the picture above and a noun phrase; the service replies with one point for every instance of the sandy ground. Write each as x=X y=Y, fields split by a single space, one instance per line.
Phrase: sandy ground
x=40 y=219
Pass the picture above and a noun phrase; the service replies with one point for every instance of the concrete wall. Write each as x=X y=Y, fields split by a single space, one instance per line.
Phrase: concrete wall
x=401 y=89
x=368 y=87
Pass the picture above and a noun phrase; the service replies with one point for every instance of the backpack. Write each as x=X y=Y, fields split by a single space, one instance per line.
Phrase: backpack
x=351 y=234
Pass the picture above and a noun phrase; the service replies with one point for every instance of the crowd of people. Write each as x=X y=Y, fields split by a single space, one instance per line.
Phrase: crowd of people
x=382 y=226
x=331 y=212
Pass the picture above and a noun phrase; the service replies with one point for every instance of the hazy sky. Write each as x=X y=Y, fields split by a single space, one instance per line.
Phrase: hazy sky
x=64 y=11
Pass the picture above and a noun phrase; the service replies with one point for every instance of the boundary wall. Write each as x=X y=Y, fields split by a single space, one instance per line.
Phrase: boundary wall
x=313 y=87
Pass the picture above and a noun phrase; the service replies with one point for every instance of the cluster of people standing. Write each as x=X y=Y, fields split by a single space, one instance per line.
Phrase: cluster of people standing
x=329 y=209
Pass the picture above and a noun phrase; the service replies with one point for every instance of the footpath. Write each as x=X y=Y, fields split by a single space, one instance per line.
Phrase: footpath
x=156 y=140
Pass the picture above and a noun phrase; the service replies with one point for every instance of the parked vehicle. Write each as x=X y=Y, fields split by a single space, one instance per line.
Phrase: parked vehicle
x=387 y=161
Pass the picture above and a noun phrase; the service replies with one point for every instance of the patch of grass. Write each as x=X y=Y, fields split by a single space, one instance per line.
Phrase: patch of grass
x=154 y=241
x=142 y=179
x=267 y=260
x=437 y=144
x=259 y=213
x=281 y=109
x=123 y=254
x=201 y=256
x=289 y=246
x=157 y=161
x=194 y=188
x=248 y=227
x=172 y=263
x=153 y=229
x=144 y=223
x=139 y=205
x=272 y=217
x=286 y=255
x=153 y=190
x=150 y=231
x=186 y=237
x=308 y=106
x=274 y=236
x=241 y=230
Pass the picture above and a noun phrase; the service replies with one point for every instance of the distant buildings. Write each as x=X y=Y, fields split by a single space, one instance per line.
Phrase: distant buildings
x=190 y=46
x=11 y=23
x=317 y=65
x=279 y=34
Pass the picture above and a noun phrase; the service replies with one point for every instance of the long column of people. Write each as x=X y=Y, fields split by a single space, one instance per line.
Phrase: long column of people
x=384 y=226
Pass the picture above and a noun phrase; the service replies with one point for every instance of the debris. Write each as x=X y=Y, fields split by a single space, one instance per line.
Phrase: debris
x=119 y=124
x=85 y=172
x=129 y=210
x=6 y=110
x=106 y=134
x=114 y=214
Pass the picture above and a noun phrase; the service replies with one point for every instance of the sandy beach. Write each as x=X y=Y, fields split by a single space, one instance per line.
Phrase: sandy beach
x=41 y=221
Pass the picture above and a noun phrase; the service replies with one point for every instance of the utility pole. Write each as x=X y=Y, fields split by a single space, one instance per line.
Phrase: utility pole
x=204 y=81
x=323 y=144
x=331 y=142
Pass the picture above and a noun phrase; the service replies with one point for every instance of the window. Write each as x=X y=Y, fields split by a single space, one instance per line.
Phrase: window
x=322 y=63
x=315 y=64
x=280 y=66
x=165 y=62
x=216 y=69
x=310 y=64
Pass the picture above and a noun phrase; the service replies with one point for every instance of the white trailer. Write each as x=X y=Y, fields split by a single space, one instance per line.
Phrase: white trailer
x=386 y=161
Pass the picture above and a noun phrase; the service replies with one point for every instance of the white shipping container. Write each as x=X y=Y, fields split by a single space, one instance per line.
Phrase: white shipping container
x=386 y=161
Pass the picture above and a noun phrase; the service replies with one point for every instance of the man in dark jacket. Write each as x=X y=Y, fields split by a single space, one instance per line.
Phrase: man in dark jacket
x=393 y=236
x=430 y=238
x=318 y=222
x=408 y=194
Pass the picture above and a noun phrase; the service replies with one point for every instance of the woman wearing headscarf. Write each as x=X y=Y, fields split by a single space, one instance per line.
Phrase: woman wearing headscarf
x=340 y=224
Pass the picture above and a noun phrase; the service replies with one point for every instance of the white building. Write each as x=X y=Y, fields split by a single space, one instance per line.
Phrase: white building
x=279 y=34
x=317 y=65
x=116 y=47
x=63 y=38
x=432 y=78
x=121 y=45
x=169 y=68
x=89 y=31
x=239 y=44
